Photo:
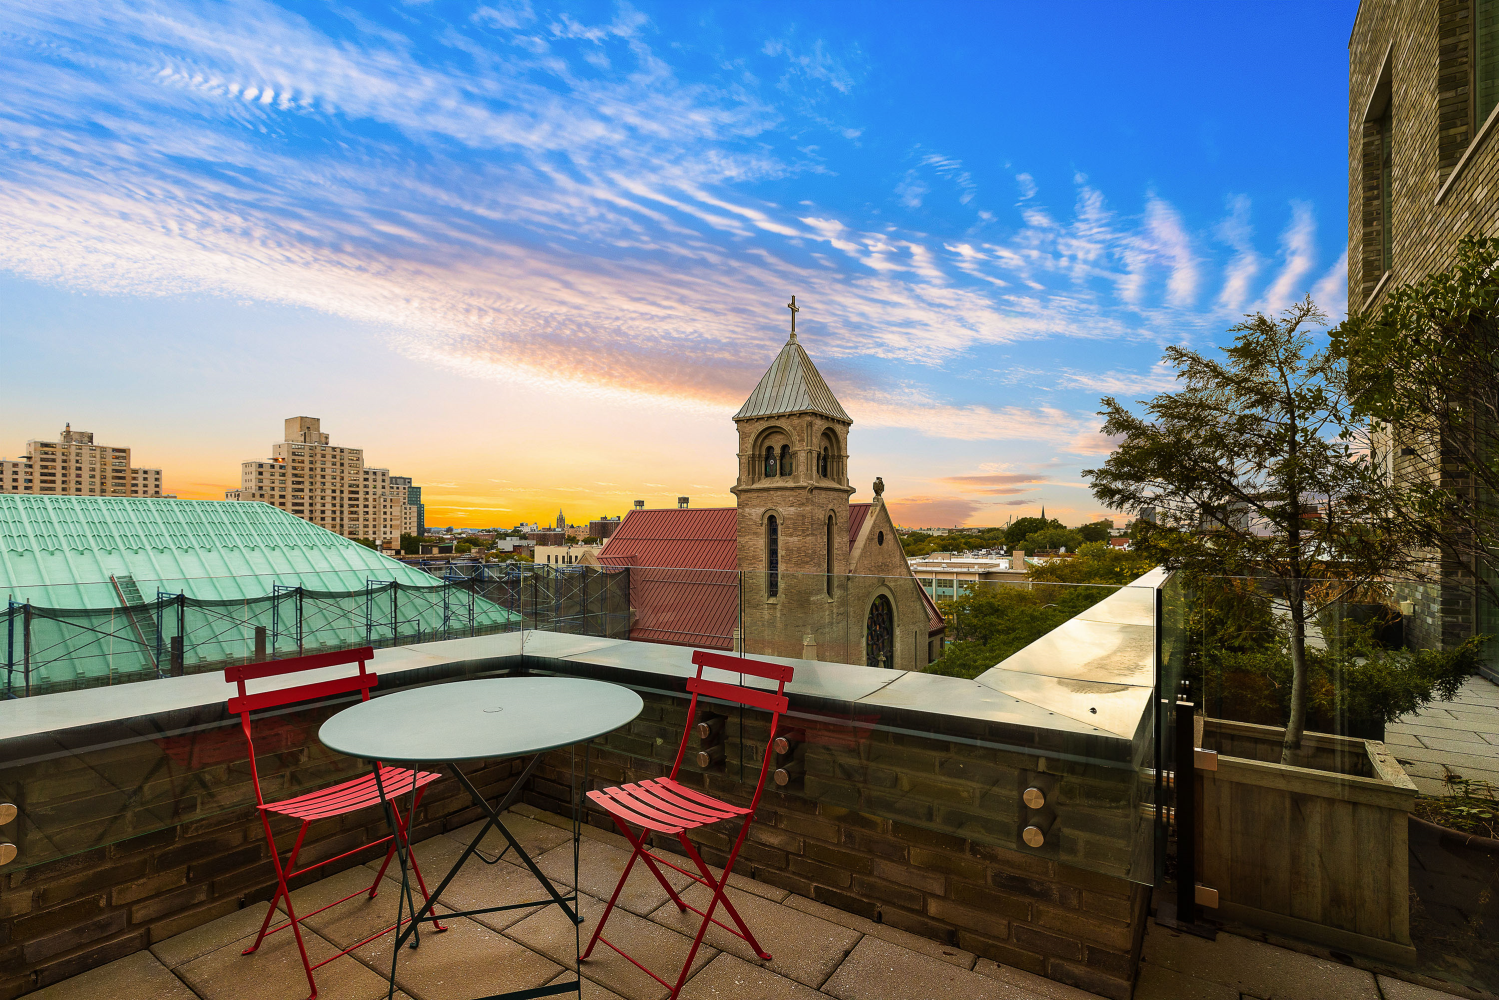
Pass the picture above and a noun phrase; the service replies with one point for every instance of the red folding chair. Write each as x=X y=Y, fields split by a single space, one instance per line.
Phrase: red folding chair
x=663 y=805
x=336 y=800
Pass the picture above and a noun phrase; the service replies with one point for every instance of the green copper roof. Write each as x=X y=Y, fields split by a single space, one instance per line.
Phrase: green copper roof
x=90 y=585
x=792 y=384
x=61 y=551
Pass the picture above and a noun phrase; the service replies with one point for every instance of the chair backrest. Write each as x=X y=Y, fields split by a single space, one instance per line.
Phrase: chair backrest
x=243 y=703
x=774 y=703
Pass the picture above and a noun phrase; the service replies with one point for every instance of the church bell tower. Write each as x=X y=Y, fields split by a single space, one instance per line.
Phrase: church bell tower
x=792 y=491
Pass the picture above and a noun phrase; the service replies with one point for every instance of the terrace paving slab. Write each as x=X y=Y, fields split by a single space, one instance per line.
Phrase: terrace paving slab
x=274 y=972
x=210 y=937
x=804 y=948
x=1460 y=736
x=1253 y=967
x=731 y=978
x=950 y=954
x=1031 y=985
x=135 y=977
x=879 y=970
x=550 y=933
x=467 y=960
x=599 y=869
x=1395 y=989
x=1157 y=982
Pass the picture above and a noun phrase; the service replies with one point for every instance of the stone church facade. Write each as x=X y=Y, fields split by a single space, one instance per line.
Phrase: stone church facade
x=819 y=577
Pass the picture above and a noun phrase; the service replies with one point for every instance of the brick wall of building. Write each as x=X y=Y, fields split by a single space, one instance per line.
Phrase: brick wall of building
x=1436 y=142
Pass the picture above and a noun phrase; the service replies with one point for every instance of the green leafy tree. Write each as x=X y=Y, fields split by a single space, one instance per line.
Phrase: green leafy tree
x=1425 y=368
x=1097 y=562
x=368 y=543
x=1097 y=531
x=1249 y=467
x=1052 y=538
x=1017 y=530
x=409 y=545
x=989 y=624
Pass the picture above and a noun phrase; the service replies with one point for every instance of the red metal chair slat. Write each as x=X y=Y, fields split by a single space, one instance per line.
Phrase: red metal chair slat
x=664 y=805
x=739 y=665
x=738 y=695
x=323 y=803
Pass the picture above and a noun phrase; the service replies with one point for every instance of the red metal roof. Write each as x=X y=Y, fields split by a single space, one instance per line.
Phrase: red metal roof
x=705 y=538
x=857 y=512
x=684 y=581
x=684 y=585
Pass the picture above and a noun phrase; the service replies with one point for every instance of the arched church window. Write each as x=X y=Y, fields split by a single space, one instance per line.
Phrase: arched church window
x=785 y=459
x=772 y=557
x=770 y=460
x=828 y=576
x=822 y=463
x=879 y=634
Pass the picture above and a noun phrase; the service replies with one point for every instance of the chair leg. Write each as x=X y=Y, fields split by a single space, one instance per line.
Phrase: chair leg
x=604 y=917
x=650 y=863
x=283 y=891
x=721 y=888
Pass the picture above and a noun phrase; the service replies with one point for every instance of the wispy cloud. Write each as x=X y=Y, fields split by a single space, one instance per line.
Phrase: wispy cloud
x=522 y=183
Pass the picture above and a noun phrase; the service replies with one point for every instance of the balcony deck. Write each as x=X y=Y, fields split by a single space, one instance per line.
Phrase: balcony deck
x=820 y=952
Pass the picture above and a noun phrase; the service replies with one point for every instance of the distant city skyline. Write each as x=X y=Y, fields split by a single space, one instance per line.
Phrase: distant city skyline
x=535 y=256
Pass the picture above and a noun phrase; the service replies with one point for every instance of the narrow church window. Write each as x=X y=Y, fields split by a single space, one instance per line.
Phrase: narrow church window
x=828 y=576
x=770 y=460
x=822 y=463
x=879 y=634
x=772 y=557
x=785 y=459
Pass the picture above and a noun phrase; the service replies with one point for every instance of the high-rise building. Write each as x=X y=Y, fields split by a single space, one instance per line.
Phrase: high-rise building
x=561 y=522
x=325 y=484
x=415 y=520
x=75 y=465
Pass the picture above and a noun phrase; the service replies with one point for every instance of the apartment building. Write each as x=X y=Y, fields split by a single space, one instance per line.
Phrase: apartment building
x=74 y=464
x=329 y=485
x=414 y=520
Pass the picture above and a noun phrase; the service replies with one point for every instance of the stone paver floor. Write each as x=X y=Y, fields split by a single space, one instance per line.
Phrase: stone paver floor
x=1460 y=736
x=820 y=952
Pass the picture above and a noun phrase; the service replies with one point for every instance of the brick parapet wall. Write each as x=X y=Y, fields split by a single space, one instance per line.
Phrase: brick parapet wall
x=158 y=837
x=156 y=847
x=1018 y=907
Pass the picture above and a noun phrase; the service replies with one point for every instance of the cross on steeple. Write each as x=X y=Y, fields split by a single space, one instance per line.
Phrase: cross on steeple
x=794 y=310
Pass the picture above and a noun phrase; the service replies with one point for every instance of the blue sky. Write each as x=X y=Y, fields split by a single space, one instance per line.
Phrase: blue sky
x=536 y=256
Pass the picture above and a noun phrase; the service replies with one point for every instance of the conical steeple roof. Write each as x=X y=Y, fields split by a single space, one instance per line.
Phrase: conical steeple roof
x=792 y=384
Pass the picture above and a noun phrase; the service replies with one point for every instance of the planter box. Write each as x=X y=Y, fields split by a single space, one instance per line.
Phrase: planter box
x=1316 y=852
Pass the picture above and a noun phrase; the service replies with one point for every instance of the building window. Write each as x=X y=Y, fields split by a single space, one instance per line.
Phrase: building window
x=1485 y=60
x=785 y=459
x=770 y=461
x=879 y=634
x=772 y=557
x=828 y=576
x=822 y=463
x=1386 y=187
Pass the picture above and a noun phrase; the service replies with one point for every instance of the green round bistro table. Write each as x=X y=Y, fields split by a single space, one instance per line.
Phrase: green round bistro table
x=489 y=719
